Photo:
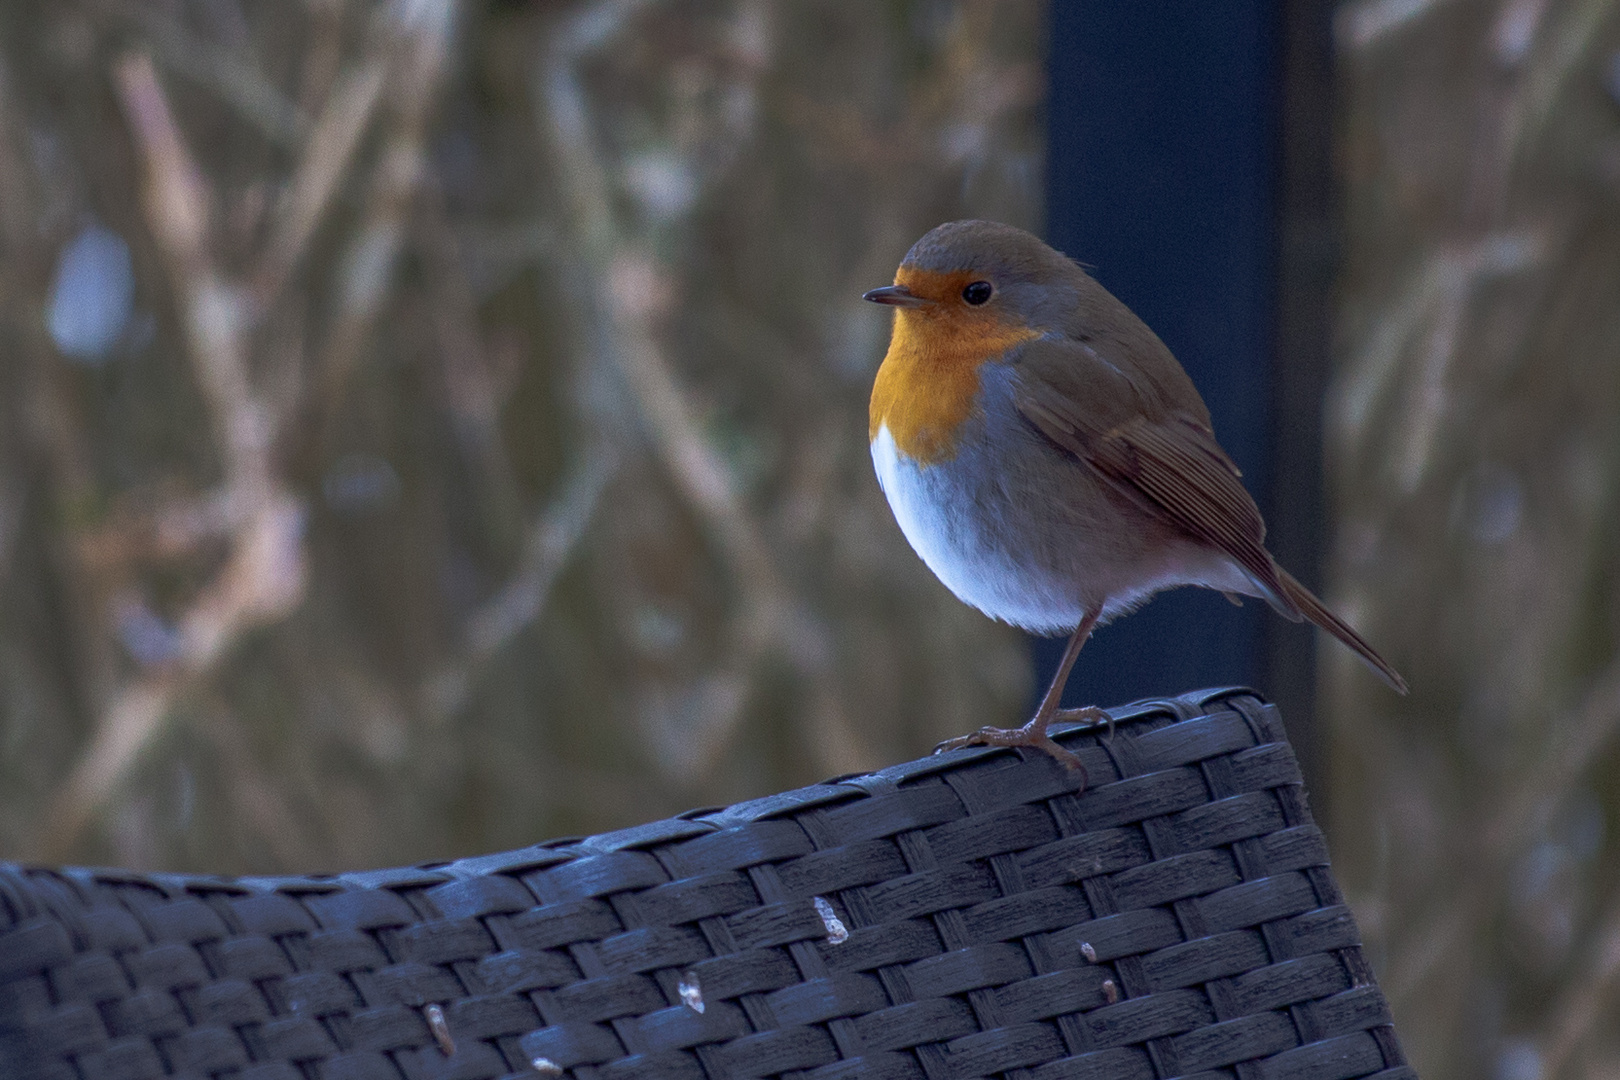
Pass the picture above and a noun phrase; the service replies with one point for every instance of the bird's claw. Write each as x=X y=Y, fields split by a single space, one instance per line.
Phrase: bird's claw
x=1089 y=716
x=1029 y=735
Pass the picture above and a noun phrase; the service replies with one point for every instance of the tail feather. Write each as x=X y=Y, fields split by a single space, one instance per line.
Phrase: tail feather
x=1314 y=610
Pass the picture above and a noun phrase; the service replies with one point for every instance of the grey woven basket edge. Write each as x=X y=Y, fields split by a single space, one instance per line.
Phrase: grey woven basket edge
x=30 y=892
x=19 y=901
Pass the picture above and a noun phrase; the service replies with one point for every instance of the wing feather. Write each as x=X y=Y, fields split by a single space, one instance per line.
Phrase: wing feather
x=1154 y=444
x=1161 y=457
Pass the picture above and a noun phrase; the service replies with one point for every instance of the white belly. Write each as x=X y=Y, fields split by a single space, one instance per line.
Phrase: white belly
x=1014 y=547
x=976 y=554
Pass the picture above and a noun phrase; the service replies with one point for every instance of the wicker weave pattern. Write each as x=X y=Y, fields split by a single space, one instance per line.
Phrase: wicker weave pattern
x=960 y=916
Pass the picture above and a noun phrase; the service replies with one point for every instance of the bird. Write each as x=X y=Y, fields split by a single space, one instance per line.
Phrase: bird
x=1050 y=460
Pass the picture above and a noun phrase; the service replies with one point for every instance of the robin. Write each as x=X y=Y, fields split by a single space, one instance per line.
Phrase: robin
x=1049 y=459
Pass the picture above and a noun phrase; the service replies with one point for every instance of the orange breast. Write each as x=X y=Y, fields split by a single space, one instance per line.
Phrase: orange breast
x=928 y=381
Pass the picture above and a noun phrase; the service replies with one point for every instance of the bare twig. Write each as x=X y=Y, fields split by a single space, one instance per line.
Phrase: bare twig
x=1576 y=745
x=549 y=542
x=263 y=574
x=1581 y=1009
x=15 y=226
x=546 y=549
x=175 y=527
x=232 y=77
x=419 y=33
x=262 y=578
x=470 y=381
x=1423 y=402
x=178 y=208
x=263 y=800
x=631 y=292
x=1367 y=22
x=325 y=160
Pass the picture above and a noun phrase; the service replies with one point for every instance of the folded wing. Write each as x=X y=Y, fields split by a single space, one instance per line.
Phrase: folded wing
x=1167 y=460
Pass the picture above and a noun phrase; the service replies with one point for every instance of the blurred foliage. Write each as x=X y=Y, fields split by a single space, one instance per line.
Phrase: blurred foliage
x=1474 y=441
x=433 y=427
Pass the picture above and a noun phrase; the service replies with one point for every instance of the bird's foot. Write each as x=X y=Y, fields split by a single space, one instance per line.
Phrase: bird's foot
x=1032 y=734
x=1088 y=716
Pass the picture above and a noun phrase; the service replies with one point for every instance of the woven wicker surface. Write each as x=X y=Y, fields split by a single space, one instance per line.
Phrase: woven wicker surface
x=960 y=916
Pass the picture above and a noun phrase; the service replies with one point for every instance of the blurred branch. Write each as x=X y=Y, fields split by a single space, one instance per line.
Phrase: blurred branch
x=547 y=545
x=1581 y=1009
x=469 y=378
x=234 y=78
x=178 y=209
x=262 y=579
x=326 y=157
x=632 y=292
x=1365 y=23
x=1523 y=817
x=1468 y=390
x=419 y=34
x=343 y=281
x=16 y=225
x=1576 y=745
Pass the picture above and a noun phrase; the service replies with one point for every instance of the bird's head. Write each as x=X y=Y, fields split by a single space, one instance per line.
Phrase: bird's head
x=969 y=293
x=977 y=279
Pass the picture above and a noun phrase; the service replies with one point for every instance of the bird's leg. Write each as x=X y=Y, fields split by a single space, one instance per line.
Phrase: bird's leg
x=1034 y=734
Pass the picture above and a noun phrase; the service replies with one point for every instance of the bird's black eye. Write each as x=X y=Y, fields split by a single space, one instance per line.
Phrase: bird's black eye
x=977 y=293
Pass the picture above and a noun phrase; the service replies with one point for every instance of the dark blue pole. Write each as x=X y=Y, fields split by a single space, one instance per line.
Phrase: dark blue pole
x=1161 y=177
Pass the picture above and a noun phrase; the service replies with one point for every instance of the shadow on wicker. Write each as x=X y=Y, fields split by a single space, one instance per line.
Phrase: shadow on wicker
x=960 y=916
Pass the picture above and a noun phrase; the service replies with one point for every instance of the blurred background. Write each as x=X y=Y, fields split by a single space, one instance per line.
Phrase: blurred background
x=431 y=427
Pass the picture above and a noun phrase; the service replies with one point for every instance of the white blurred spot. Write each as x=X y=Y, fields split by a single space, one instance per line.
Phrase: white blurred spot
x=1538 y=871
x=1510 y=250
x=750 y=37
x=358 y=483
x=425 y=16
x=691 y=993
x=367 y=265
x=1359 y=25
x=640 y=290
x=1515 y=29
x=1491 y=505
x=275 y=556
x=1545 y=890
x=149 y=639
x=658 y=631
x=545 y=1066
x=662 y=183
x=837 y=932
x=964 y=142
x=1518 y=1060
x=92 y=295
x=1499 y=511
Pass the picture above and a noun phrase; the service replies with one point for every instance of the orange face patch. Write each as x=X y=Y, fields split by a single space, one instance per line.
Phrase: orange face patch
x=930 y=377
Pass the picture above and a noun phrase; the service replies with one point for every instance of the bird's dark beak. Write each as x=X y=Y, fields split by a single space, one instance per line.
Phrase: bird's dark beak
x=894 y=296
